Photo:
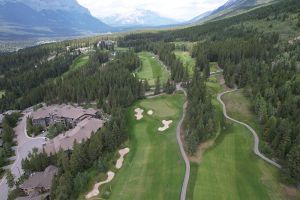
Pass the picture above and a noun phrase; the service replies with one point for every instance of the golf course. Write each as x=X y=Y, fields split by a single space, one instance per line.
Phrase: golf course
x=230 y=159
x=151 y=69
x=154 y=157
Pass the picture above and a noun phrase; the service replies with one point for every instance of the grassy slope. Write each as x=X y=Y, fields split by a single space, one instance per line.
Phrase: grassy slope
x=151 y=69
x=154 y=168
x=78 y=63
x=187 y=61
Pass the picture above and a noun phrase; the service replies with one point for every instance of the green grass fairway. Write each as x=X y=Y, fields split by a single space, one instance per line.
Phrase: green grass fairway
x=151 y=69
x=79 y=62
x=230 y=170
x=187 y=61
x=154 y=168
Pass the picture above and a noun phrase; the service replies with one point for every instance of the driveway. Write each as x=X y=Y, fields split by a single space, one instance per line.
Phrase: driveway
x=25 y=145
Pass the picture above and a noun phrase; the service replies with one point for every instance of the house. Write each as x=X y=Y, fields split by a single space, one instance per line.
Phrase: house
x=82 y=131
x=106 y=43
x=39 y=182
x=67 y=114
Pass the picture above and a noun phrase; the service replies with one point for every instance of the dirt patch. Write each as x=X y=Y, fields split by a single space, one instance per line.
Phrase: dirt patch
x=95 y=191
x=197 y=157
x=291 y=192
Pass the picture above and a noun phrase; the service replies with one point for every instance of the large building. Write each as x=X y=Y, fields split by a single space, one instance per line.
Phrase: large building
x=84 y=122
x=66 y=114
x=39 y=183
x=82 y=131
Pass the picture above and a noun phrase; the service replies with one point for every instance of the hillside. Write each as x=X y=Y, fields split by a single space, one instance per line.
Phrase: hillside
x=40 y=18
x=231 y=8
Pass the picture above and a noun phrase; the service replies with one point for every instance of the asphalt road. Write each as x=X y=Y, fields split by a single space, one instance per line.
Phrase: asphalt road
x=256 y=138
x=183 y=153
x=25 y=146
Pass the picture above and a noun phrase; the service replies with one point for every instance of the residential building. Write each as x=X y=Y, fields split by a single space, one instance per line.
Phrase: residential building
x=39 y=183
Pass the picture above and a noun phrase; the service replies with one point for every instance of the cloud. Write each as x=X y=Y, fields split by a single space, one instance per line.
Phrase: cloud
x=176 y=9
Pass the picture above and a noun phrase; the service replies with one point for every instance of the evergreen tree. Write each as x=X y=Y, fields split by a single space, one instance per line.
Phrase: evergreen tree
x=157 y=86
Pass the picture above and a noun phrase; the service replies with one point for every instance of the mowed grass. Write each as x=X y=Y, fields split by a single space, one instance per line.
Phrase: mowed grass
x=154 y=168
x=187 y=60
x=79 y=62
x=151 y=69
x=230 y=170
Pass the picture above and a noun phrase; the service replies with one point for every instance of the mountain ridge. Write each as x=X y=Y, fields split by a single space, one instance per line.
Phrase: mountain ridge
x=60 y=18
x=138 y=17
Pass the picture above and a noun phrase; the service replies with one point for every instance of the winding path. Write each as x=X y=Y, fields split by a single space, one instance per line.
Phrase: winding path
x=256 y=138
x=183 y=153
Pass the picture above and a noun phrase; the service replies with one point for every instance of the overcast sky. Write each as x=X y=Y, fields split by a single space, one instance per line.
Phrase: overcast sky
x=176 y=9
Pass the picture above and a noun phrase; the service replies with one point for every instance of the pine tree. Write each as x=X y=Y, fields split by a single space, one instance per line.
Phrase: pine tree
x=157 y=86
x=10 y=179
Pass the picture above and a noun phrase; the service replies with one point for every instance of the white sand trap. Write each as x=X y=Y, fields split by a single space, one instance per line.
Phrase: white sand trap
x=138 y=113
x=120 y=161
x=150 y=112
x=95 y=191
x=166 y=124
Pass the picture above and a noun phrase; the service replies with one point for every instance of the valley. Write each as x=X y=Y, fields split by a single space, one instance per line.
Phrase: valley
x=203 y=110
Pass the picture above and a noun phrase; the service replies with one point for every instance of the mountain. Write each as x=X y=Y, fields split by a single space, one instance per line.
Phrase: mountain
x=231 y=8
x=42 y=18
x=138 y=18
x=199 y=17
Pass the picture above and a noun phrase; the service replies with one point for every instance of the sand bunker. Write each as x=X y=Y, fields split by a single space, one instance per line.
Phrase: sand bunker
x=166 y=124
x=138 y=113
x=95 y=191
x=150 y=112
x=122 y=153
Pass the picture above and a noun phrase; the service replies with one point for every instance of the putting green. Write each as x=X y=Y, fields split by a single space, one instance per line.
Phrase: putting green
x=154 y=168
x=187 y=61
x=151 y=69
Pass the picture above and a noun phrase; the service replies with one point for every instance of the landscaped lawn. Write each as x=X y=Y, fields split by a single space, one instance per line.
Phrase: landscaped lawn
x=154 y=168
x=230 y=170
x=151 y=69
x=187 y=61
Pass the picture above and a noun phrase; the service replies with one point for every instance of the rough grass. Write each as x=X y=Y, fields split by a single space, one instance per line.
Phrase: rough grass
x=214 y=66
x=151 y=69
x=154 y=168
x=187 y=60
x=230 y=170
